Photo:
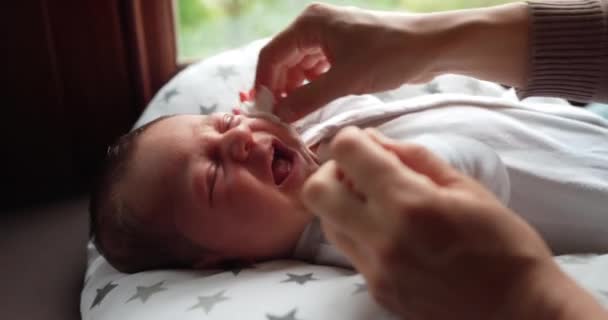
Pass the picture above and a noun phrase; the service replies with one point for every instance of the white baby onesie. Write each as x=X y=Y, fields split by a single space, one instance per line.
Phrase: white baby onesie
x=548 y=163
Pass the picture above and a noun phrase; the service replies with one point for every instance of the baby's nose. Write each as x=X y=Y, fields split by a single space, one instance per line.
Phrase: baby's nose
x=237 y=142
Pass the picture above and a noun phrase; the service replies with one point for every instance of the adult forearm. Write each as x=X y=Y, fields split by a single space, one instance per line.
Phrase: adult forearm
x=543 y=48
x=487 y=43
x=546 y=292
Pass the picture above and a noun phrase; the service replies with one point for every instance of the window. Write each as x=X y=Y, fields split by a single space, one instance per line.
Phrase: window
x=206 y=27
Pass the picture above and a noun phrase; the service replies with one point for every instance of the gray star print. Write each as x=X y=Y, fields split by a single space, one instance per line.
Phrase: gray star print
x=208 y=110
x=170 y=94
x=239 y=268
x=474 y=87
x=300 y=279
x=291 y=315
x=101 y=293
x=208 y=302
x=225 y=72
x=144 y=293
x=361 y=287
x=432 y=88
x=385 y=96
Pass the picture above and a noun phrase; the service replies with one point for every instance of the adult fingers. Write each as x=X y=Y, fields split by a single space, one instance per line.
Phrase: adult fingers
x=273 y=58
x=340 y=213
x=318 y=69
x=313 y=95
x=292 y=74
x=298 y=73
x=309 y=61
x=326 y=196
x=288 y=48
x=280 y=82
x=295 y=79
x=374 y=170
x=418 y=158
x=354 y=248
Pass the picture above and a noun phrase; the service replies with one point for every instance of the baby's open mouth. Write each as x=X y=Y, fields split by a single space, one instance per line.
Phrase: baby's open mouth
x=282 y=161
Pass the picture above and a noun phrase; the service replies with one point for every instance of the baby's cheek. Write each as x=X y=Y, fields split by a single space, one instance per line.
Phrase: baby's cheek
x=256 y=203
x=265 y=204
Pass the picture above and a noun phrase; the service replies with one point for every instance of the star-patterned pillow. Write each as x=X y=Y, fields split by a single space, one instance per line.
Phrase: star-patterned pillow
x=211 y=85
x=279 y=290
x=285 y=289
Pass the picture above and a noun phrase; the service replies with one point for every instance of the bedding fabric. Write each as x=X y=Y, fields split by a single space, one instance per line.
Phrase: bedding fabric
x=285 y=289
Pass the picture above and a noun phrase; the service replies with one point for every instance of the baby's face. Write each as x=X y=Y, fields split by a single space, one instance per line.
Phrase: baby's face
x=235 y=181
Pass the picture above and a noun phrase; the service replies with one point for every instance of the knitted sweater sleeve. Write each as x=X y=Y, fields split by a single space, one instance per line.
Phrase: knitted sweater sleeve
x=568 y=50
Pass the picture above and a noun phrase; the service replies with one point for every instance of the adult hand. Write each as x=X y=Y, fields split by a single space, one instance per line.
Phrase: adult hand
x=431 y=243
x=345 y=50
x=362 y=51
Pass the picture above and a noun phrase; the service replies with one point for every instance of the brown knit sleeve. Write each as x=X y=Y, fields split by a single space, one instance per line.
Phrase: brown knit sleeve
x=568 y=50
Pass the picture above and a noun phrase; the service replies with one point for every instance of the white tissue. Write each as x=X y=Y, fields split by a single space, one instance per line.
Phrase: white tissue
x=262 y=106
x=264 y=101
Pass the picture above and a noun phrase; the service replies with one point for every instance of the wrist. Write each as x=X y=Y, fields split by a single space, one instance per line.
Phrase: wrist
x=544 y=291
x=488 y=43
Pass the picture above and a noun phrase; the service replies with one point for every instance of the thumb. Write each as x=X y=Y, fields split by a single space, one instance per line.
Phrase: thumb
x=312 y=96
x=419 y=159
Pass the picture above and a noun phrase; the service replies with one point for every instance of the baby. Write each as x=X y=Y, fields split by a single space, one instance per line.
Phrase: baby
x=196 y=191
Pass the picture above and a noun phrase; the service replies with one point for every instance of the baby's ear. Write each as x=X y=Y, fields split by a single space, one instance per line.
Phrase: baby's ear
x=209 y=261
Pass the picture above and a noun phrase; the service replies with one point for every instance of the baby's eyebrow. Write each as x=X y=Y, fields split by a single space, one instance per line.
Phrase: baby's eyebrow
x=206 y=120
x=204 y=123
x=212 y=119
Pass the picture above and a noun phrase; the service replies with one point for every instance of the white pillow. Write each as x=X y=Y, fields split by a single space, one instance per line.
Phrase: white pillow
x=274 y=290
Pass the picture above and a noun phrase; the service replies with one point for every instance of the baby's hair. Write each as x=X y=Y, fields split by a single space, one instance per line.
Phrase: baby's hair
x=128 y=243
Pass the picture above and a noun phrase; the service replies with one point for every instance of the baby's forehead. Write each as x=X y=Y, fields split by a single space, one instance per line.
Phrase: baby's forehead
x=181 y=119
x=180 y=124
x=168 y=143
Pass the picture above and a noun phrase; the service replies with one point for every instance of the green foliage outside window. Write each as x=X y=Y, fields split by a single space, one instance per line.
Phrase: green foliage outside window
x=206 y=27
